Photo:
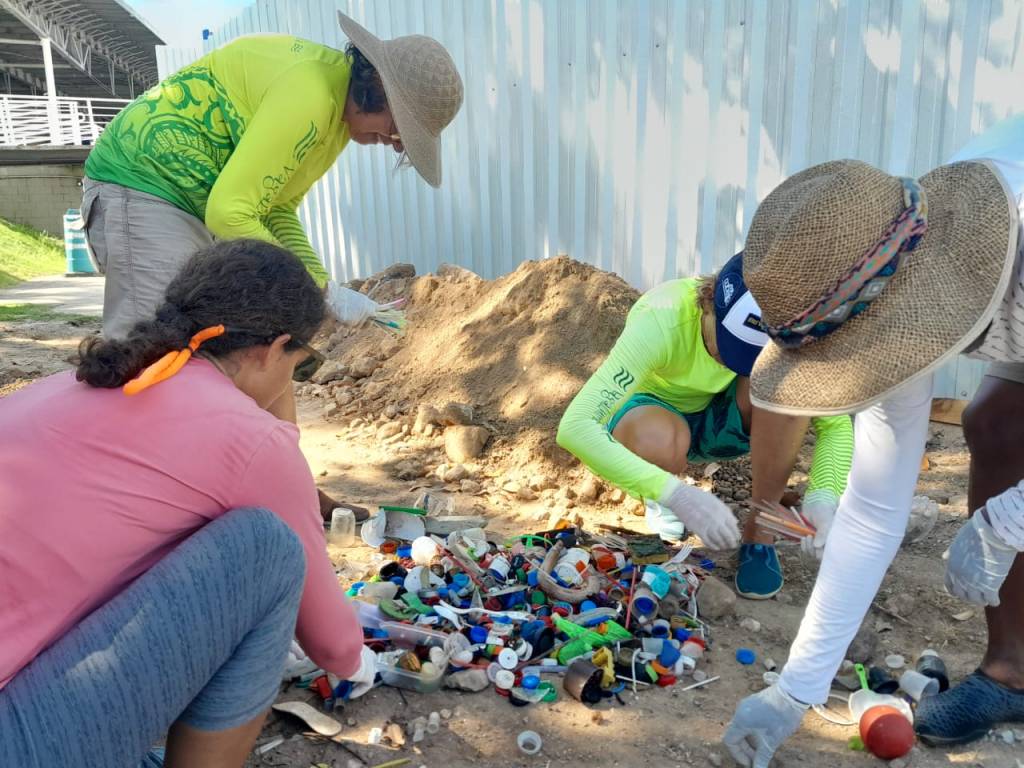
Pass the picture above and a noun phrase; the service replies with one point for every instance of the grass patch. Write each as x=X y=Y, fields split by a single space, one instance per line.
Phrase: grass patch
x=26 y=252
x=16 y=313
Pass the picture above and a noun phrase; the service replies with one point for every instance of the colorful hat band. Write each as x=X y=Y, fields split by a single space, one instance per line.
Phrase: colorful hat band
x=864 y=283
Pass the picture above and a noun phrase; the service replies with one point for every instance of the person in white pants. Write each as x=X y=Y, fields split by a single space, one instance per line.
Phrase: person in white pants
x=868 y=283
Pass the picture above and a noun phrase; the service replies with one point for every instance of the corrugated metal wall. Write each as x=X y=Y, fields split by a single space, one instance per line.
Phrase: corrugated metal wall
x=638 y=135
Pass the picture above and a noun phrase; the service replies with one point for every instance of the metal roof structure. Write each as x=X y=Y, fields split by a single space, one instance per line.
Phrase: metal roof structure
x=99 y=48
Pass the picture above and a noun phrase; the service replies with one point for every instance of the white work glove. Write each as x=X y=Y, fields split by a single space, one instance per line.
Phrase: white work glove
x=977 y=562
x=298 y=663
x=819 y=508
x=761 y=723
x=349 y=307
x=704 y=514
x=362 y=680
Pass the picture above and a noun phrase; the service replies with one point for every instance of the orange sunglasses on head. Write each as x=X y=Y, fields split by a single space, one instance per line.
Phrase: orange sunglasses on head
x=174 y=361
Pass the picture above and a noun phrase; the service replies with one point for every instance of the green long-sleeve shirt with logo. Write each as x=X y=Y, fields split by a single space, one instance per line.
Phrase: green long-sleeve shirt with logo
x=661 y=352
x=237 y=138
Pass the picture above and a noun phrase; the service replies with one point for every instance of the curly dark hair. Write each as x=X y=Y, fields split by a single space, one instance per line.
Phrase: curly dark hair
x=365 y=86
x=258 y=290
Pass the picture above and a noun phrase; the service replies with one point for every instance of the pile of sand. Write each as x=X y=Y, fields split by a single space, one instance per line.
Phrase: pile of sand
x=516 y=349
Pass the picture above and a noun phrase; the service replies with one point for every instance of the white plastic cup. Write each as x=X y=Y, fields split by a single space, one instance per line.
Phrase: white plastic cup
x=343 y=527
x=918 y=686
x=499 y=568
x=529 y=742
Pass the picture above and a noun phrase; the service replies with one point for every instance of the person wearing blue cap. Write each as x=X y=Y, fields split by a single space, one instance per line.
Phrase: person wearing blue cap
x=673 y=391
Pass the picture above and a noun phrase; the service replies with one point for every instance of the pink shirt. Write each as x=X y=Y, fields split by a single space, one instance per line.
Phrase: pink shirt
x=96 y=487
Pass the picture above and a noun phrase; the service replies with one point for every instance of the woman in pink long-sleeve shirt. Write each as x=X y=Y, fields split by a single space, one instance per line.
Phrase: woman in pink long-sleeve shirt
x=101 y=489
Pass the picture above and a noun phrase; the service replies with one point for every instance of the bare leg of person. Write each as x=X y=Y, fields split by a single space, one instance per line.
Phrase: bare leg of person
x=189 y=747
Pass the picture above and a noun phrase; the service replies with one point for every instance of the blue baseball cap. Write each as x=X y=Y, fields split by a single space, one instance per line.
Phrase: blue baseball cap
x=737 y=319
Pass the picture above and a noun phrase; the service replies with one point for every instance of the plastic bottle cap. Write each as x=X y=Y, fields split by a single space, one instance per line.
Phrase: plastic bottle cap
x=745 y=656
x=508 y=658
x=530 y=682
x=587 y=605
x=478 y=635
x=504 y=679
x=403 y=552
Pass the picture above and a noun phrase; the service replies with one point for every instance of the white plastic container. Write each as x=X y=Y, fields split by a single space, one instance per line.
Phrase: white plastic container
x=343 y=527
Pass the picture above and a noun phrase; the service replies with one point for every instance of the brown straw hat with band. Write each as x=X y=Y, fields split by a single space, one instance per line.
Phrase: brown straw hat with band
x=866 y=280
x=423 y=87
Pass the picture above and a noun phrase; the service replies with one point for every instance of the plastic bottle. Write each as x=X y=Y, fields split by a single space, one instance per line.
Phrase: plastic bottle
x=343 y=527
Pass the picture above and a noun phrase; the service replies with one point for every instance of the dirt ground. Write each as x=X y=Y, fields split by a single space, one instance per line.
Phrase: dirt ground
x=658 y=727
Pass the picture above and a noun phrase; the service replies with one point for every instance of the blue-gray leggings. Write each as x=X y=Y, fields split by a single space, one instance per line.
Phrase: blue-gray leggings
x=201 y=637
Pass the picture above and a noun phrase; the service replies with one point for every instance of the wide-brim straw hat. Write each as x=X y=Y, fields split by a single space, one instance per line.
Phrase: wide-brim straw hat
x=814 y=227
x=423 y=88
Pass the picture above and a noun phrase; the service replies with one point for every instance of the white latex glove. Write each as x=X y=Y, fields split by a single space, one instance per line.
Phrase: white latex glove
x=977 y=562
x=761 y=724
x=704 y=514
x=298 y=663
x=662 y=521
x=819 y=508
x=362 y=680
x=349 y=307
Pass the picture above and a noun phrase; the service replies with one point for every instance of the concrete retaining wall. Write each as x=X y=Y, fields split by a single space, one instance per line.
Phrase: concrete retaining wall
x=39 y=195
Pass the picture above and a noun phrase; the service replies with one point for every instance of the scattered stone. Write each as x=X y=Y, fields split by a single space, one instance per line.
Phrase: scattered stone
x=388 y=429
x=409 y=469
x=429 y=430
x=455 y=474
x=511 y=487
x=1007 y=736
x=715 y=599
x=374 y=389
x=456 y=414
x=393 y=733
x=473 y=680
x=362 y=367
x=784 y=599
x=446 y=714
x=902 y=604
x=390 y=411
x=589 y=489
x=426 y=415
x=464 y=443
x=542 y=483
x=864 y=645
x=741 y=495
x=715 y=759
x=1018 y=734
x=699 y=675
x=751 y=625
x=617 y=496
x=898 y=763
x=470 y=486
x=332 y=370
x=331 y=409
x=344 y=397
x=351 y=722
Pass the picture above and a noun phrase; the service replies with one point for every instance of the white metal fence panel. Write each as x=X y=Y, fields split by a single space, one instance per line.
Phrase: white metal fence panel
x=639 y=135
x=38 y=121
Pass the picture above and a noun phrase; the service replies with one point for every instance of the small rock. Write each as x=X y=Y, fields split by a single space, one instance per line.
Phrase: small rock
x=426 y=415
x=783 y=599
x=344 y=397
x=470 y=486
x=330 y=371
x=511 y=487
x=446 y=714
x=715 y=759
x=864 y=645
x=455 y=474
x=429 y=430
x=409 y=469
x=897 y=763
x=390 y=411
x=617 y=496
x=331 y=409
x=1018 y=735
x=388 y=429
x=464 y=443
x=751 y=625
x=455 y=272
x=467 y=680
x=699 y=675
x=351 y=722
x=1007 y=736
x=393 y=733
x=589 y=489
x=541 y=483
x=456 y=414
x=715 y=599
x=526 y=494
x=724 y=489
x=741 y=495
x=363 y=367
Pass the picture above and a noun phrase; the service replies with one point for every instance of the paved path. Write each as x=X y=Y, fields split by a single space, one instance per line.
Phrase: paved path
x=71 y=295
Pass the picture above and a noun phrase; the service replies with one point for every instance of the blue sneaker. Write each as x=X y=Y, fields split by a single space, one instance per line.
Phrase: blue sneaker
x=759 y=576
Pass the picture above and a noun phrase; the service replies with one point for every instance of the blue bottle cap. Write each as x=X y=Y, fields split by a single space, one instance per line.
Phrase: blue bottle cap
x=398 y=580
x=460 y=580
x=669 y=655
x=587 y=605
x=530 y=682
x=707 y=564
x=477 y=635
x=745 y=656
x=682 y=635
x=403 y=552
x=533 y=578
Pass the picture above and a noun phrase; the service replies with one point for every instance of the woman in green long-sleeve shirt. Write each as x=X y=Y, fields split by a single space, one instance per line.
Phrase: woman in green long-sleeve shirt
x=228 y=147
x=674 y=390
